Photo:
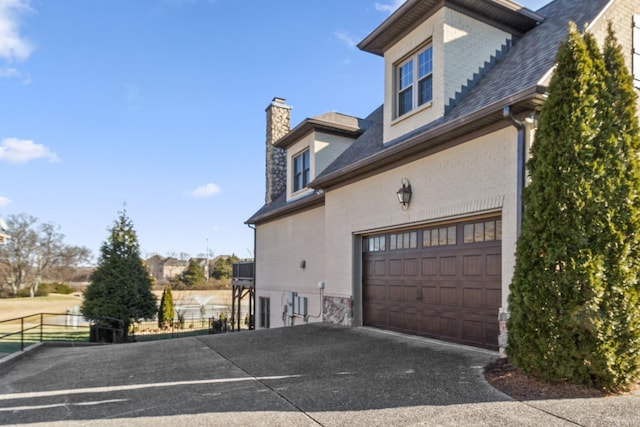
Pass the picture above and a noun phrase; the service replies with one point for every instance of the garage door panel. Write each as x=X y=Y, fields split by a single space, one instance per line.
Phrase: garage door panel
x=410 y=267
x=380 y=268
x=473 y=332
x=448 y=288
x=430 y=266
x=494 y=299
x=494 y=264
x=449 y=296
x=472 y=265
x=396 y=293
x=448 y=266
x=473 y=297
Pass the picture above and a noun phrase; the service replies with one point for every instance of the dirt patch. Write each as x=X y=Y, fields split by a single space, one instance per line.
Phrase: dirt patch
x=505 y=377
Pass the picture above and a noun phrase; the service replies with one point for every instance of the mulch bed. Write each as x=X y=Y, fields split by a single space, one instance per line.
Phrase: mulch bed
x=509 y=380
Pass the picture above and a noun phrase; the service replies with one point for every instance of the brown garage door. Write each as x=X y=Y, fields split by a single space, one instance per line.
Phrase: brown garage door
x=442 y=282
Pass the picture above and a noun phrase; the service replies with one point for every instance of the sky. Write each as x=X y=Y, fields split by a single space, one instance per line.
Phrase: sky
x=158 y=107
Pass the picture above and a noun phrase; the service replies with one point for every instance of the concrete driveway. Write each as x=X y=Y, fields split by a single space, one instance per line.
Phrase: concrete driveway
x=301 y=376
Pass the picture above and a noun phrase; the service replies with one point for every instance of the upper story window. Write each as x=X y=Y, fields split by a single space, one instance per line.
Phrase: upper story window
x=415 y=81
x=301 y=170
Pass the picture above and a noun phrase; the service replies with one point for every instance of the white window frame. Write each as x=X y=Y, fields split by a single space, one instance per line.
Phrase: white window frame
x=305 y=173
x=412 y=72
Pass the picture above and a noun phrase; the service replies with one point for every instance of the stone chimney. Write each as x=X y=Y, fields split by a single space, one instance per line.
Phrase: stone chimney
x=278 y=117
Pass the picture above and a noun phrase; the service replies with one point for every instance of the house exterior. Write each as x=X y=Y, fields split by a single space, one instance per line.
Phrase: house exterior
x=464 y=82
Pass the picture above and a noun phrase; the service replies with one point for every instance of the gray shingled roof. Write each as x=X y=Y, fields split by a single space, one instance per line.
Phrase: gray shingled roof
x=521 y=68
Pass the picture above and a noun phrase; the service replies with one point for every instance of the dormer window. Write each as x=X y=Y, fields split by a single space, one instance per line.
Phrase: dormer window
x=415 y=81
x=301 y=170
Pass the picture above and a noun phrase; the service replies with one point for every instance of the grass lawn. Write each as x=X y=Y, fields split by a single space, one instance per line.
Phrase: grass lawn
x=11 y=308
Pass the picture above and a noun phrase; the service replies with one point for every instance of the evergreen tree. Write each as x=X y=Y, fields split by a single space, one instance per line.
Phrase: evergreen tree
x=576 y=256
x=166 y=311
x=120 y=286
x=193 y=275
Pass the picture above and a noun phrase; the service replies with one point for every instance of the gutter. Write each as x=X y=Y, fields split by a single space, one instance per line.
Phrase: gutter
x=519 y=125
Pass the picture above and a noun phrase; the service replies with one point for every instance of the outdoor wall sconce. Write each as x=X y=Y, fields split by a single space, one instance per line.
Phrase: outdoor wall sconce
x=404 y=194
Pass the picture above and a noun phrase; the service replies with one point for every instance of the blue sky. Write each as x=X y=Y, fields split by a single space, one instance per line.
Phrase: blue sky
x=159 y=104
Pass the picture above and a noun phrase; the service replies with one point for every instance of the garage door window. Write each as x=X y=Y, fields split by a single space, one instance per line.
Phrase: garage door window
x=483 y=231
x=375 y=244
x=407 y=240
x=441 y=236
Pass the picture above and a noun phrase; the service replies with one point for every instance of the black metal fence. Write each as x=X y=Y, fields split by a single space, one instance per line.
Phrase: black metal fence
x=149 y=331
x=18 y=333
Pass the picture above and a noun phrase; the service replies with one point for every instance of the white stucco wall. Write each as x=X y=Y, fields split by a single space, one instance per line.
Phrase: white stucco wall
x=461 y=45
x=281 y=246
x=471 y=178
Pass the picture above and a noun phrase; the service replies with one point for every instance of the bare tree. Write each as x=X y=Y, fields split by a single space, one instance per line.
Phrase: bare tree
x=35 y=252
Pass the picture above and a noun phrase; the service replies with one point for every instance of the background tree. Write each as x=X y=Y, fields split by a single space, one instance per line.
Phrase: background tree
x=166 y=311
x=36 y=252
x=223 y=267
x=577 y=254
x=120 y=287
x=193 y=275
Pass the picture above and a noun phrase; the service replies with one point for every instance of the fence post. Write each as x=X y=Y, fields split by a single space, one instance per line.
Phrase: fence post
x=21 y=333
x=41 y=322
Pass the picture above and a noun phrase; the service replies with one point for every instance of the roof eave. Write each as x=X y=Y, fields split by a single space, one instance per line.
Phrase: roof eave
x=526 y=100
x=308 y=202
x=310 y=125
x=412 y=12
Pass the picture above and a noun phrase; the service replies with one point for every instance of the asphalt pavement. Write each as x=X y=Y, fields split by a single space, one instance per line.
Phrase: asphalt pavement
x=309 y=375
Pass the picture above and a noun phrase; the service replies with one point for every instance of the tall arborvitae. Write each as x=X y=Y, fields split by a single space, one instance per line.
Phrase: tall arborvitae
x=576 y=256
x=166 y=310
x=120 y=287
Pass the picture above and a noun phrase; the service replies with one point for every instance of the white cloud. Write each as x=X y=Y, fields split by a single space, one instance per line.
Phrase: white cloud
x=389 y=7
x=206 y=190
x=4 y=201
x=14 y=150
x=13 y=45
x=346 y=38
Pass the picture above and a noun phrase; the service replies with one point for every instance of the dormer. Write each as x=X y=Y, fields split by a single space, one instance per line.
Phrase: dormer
x=435 y=50
x=313 y=145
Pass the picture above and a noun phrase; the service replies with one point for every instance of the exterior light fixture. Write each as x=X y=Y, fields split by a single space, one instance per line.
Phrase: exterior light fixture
x=404 y=194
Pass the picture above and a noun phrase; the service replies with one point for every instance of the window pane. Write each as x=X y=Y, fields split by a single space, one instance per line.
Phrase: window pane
x=426 y=238
x=405 y=101
x=414 y=240
x=382 y=243
x=478 y=235
x=490 y=230
x=405 y=241
x=425 y=90
x=405 y=75
x=468 y=233
x=499 y=229
x=434 y=237
x=392 y=242
x=425 y=63
x=442 y=236
x=451 y=235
